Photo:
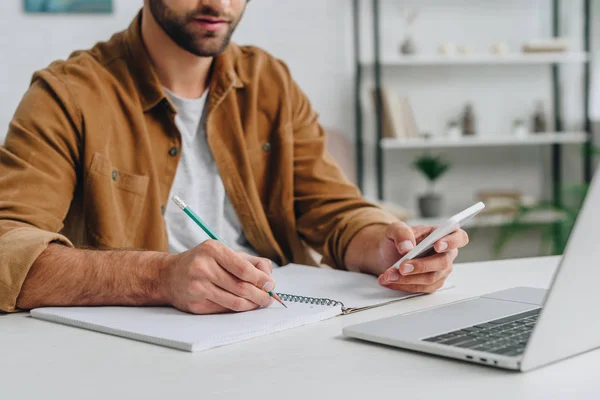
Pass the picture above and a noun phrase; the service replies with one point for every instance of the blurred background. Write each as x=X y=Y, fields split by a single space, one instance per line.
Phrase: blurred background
x=431 y=105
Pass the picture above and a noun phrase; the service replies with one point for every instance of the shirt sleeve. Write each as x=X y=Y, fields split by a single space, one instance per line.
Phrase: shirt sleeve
x=38 y=175
x=329 y=209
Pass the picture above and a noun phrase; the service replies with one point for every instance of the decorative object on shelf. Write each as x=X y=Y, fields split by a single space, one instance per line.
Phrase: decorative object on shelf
x=499 y=48
x=446 y=48
x=407 y=46
x=519 y=128
x=465 y=49
x=69 y=6
x=432 y=167
x=503 y=202
x=468 y=121
x=398 y=117
x=539 y=118
x=546 y=45
x=453 y=130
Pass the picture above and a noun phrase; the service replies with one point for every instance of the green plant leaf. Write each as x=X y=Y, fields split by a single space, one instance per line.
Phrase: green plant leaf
x=591 y=150
x=432 y=167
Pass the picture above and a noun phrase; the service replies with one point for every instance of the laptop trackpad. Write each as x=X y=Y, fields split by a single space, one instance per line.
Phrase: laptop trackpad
x=526 y=295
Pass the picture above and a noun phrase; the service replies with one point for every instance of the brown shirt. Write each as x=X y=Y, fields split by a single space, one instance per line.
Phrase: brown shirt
x=91 y=154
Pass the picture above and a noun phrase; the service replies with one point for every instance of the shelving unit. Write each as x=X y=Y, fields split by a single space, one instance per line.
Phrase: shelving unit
x=491 y=221
x=481 y=59
x=553 y=139
x=496 y=140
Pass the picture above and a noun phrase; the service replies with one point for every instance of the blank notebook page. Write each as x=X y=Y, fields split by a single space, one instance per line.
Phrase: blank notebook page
x=354 y=290
x=172 y=328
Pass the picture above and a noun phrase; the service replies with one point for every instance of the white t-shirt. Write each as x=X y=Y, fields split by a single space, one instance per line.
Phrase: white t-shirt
x=198 y=183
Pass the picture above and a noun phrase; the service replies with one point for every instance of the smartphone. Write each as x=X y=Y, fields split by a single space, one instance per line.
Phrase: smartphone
x=451 y=225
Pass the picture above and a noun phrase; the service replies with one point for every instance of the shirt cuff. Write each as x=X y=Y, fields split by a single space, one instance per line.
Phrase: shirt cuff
x=348 y=227
x=19 y=248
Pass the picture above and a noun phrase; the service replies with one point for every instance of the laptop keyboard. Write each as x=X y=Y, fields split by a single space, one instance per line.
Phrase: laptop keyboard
x=507 y=336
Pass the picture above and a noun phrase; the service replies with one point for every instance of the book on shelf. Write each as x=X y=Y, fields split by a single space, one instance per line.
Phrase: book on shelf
x=397 y=116
x=503 y=202
x=551 y=45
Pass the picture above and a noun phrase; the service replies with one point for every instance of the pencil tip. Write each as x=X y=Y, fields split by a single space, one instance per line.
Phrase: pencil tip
x=276 y=297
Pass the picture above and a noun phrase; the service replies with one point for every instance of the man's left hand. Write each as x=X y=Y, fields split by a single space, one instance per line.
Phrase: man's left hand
x=376 y=248
x=423 y=275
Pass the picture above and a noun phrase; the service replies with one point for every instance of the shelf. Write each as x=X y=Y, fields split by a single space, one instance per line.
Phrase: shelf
x=483 y=59
x=490 y=221
x=485 y=141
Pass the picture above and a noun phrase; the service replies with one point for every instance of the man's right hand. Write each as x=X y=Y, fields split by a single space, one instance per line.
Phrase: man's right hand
x=211 y=278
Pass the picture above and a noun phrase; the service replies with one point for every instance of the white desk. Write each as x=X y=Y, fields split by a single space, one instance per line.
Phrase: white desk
x=44 y=360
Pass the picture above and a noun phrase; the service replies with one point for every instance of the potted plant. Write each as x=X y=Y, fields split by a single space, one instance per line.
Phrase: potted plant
x=432 y=167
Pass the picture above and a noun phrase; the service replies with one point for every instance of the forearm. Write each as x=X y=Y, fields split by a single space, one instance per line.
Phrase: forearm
x=364 y=251
x=63 y=276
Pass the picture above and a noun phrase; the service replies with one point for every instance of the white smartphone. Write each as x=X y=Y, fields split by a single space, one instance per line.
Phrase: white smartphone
x=452 y=224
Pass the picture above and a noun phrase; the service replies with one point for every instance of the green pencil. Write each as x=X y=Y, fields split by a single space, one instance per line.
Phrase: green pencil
x=210 y=233
x=196 y=219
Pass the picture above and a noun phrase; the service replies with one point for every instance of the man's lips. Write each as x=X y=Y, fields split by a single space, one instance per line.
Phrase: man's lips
x=211 y=24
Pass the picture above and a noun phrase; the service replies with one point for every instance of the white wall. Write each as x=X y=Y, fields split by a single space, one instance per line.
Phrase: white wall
x=30 y=41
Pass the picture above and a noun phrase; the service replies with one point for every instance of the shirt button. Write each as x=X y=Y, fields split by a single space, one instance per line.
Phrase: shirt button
x=163 y=209
x=115 y=175
x=173 y=151
x=267 y=146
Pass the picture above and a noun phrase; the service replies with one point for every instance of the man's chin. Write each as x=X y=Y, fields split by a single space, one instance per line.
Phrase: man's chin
x=208 y=53
x=210 y=50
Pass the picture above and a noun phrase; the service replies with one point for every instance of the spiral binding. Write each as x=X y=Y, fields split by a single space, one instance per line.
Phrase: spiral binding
x=292 y=298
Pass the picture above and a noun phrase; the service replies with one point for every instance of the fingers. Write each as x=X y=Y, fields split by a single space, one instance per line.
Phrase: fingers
x=402 y=235
x=423 y=279
x=422 y=231
x=263 y=264
x=417 y=266
x=240 y=288
x=205 y=307
x=420 y=275
x=212 y=278
x=414 y=288
x=455 y=240
x=238 y=266
x=436 y=262
x=229 y=301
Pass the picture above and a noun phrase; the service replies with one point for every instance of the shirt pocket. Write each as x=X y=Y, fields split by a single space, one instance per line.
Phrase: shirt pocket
x=114 y=202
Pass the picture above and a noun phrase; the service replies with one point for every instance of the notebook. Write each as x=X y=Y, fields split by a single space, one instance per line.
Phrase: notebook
x=311 y=294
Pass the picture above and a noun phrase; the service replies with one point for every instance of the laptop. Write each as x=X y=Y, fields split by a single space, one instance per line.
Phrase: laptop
x=520 y=328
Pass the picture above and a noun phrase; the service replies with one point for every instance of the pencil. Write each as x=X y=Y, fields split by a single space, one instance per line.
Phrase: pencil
x=181 y=204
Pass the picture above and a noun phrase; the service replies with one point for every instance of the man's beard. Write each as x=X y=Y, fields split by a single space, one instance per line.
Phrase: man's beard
x=179 y=28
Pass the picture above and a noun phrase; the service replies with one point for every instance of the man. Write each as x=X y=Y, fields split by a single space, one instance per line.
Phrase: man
x=102 y=141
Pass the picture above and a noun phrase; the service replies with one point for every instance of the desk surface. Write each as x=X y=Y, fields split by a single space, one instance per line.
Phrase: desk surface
x=44 y=360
